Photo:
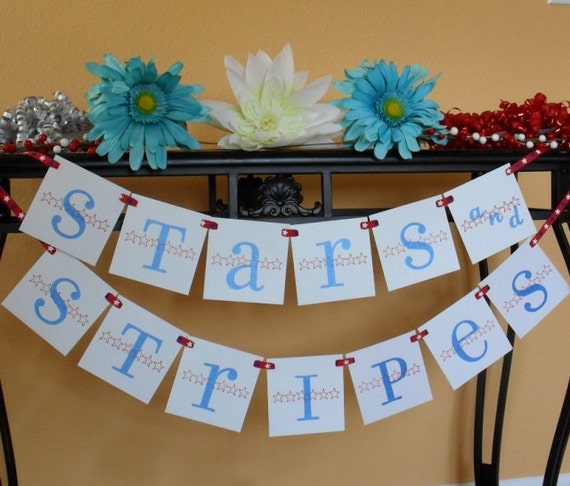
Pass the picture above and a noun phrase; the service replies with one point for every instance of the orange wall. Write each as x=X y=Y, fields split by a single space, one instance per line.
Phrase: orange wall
x=69 y=427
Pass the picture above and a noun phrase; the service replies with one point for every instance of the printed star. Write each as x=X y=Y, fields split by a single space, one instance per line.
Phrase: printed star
x=130 y=236
x=303 y=264
x=278 y=397
x=362 y=259
x=158 y=366
x=467 y=225
x=105 y=336
x=36 y=279
x=103 y=225
x=216 y=259
x=200 y=379
x=45 y=287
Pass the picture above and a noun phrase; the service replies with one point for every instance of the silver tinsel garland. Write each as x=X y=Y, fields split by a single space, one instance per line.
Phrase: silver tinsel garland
x=57 y=118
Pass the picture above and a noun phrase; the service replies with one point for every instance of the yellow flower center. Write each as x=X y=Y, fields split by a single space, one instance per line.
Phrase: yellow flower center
x=393 y=108
x=145 y=103
x=268 y=123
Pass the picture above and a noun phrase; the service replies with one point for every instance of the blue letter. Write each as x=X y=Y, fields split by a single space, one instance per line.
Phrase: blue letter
x=215 y=372
x=136 y=348
x=58 y=301
x=307 y=397
x=456 y=342
x=496 y=216
x=329 y=257
x=515 y=219
x=74 y=213
x=416 y=245
x=382 y=366
x=231 y=276
x=531 y=289
x=475 y=214
x=162 y=238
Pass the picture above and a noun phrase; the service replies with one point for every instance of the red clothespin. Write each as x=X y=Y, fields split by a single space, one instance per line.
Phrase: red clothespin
x=289 y=232
x=371 y=223
x=344 y=361
x=208 y=224
x=482 y=292
x=518 y=165
x=113 y=300
x=418 y=335
x=44 y=159
x=444 y=201
x=264 y=365
x=127 y=199
x=551 y=219
x=49 y=248
x=185 y=341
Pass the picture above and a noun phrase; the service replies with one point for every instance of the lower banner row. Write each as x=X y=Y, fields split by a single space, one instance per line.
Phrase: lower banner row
x=60 y=298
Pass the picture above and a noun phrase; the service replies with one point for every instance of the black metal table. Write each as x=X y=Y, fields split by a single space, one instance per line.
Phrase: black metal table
x=278 y=196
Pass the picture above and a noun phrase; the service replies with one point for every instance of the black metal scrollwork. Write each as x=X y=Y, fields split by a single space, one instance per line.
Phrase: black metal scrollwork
x=278 y=195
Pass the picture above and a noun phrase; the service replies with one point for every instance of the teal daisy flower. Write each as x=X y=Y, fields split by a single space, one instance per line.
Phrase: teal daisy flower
x=387 y=110
x=135 y=109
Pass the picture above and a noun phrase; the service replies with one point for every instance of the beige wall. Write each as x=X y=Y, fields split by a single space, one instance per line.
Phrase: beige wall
x=70 y=428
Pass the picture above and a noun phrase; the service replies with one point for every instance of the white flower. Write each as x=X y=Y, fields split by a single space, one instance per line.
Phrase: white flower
x=275 y=108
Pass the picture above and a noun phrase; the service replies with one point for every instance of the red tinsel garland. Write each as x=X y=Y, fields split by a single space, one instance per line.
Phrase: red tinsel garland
x=534 y=123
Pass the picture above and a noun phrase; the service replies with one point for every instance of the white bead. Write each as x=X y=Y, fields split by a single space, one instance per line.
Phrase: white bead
x=453 y=131
x=483 y=140
x=530 y=144
x=542 y=138
x=475 y=136
x=64 y=142
x=57 y=149
x=495 y=137
x=554 y=144
x=520 y=137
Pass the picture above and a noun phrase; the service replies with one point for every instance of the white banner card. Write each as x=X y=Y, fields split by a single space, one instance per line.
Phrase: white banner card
x=132 y=350
x=333 y=261
x=159 y=244
x=414 y=243
x=59 y=298
x=74 y=210
x=490 y=213
x=465 y=339
x=389 y=377
x=525 y=288
x=214 y=385
x=305 y=395
x=246 y=262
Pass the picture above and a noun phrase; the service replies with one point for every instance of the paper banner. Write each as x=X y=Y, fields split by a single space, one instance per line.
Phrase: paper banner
x=465 y=339
x=214 y=384
x=389 y=377
x=74 y=210
x=305 y=396
x=525 y=288
x=490 y=213
x=159 y=244
x=132 y=350
x=414 y=243
x=333 y=261
x=59 y=299
x=246 y=262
